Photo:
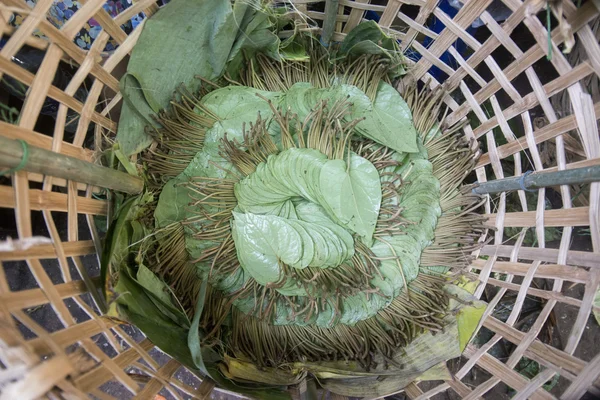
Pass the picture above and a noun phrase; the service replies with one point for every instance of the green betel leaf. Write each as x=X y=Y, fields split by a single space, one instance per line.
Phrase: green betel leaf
x=351 y=197
x=236 y=107
x=368 y=38
x=261 y=241
x=353 y=192
x=265 y=241
x=293 y=49
x=388 y=119
x=256 y=34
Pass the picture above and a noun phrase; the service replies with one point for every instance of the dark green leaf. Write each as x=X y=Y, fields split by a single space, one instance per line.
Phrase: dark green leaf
x=368 y=31
x=162 y=296
x=116 y=242
x=194 y=338
x=135 y=117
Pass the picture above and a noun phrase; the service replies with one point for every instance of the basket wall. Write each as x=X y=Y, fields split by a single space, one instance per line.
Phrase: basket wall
x=525 y=111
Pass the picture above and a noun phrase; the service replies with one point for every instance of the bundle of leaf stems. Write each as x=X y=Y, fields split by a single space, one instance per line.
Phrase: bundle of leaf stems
x=423 y=303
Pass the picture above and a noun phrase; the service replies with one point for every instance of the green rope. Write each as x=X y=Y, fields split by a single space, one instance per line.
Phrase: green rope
x=24 y=159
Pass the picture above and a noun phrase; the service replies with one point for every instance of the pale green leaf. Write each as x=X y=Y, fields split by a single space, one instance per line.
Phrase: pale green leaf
x=388 y=119
x=353 y=193
x=439 y=372
x=237 y=106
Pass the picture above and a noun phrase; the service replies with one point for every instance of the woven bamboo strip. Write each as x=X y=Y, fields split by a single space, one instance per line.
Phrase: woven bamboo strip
x=579 y=258
x=38 y=380
x=32 y=41
x=564 y=217
x=120 y=333
x=47 y=251
x=412 y=391
x=159 y=380
x=549 y=131
x=493 y=303
x=129 y=12
x=355 y=16
x=460 y=388
x=71 y=49
x=549 y=355
x=496 y=368
x=389 y=13
x=34 y=297
x=119 y=374
x=465 y=16
x=124 y=49
x=101 y=395
x=41 y=200
x=587 y=12
x=565 y=263
x=110 y=26
x=27 y=78
x=26 y=29
x=421 y=18
x=67 y=336
x=583 y=381
x=548 y=271
x=42 y=141
x=542 y=294
x=101 y=374
x=71 y=89
x=76 y=22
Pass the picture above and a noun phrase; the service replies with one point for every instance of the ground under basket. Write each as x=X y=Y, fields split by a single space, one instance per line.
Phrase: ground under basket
x=530 y=107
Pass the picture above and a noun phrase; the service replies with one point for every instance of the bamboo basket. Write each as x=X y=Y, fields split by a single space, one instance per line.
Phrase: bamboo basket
x=501 y=84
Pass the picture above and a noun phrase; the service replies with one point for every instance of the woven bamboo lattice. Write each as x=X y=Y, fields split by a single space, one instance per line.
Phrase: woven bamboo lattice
x=502 y=81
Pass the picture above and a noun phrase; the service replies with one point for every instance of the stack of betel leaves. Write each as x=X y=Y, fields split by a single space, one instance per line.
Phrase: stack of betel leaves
x=302 y=220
